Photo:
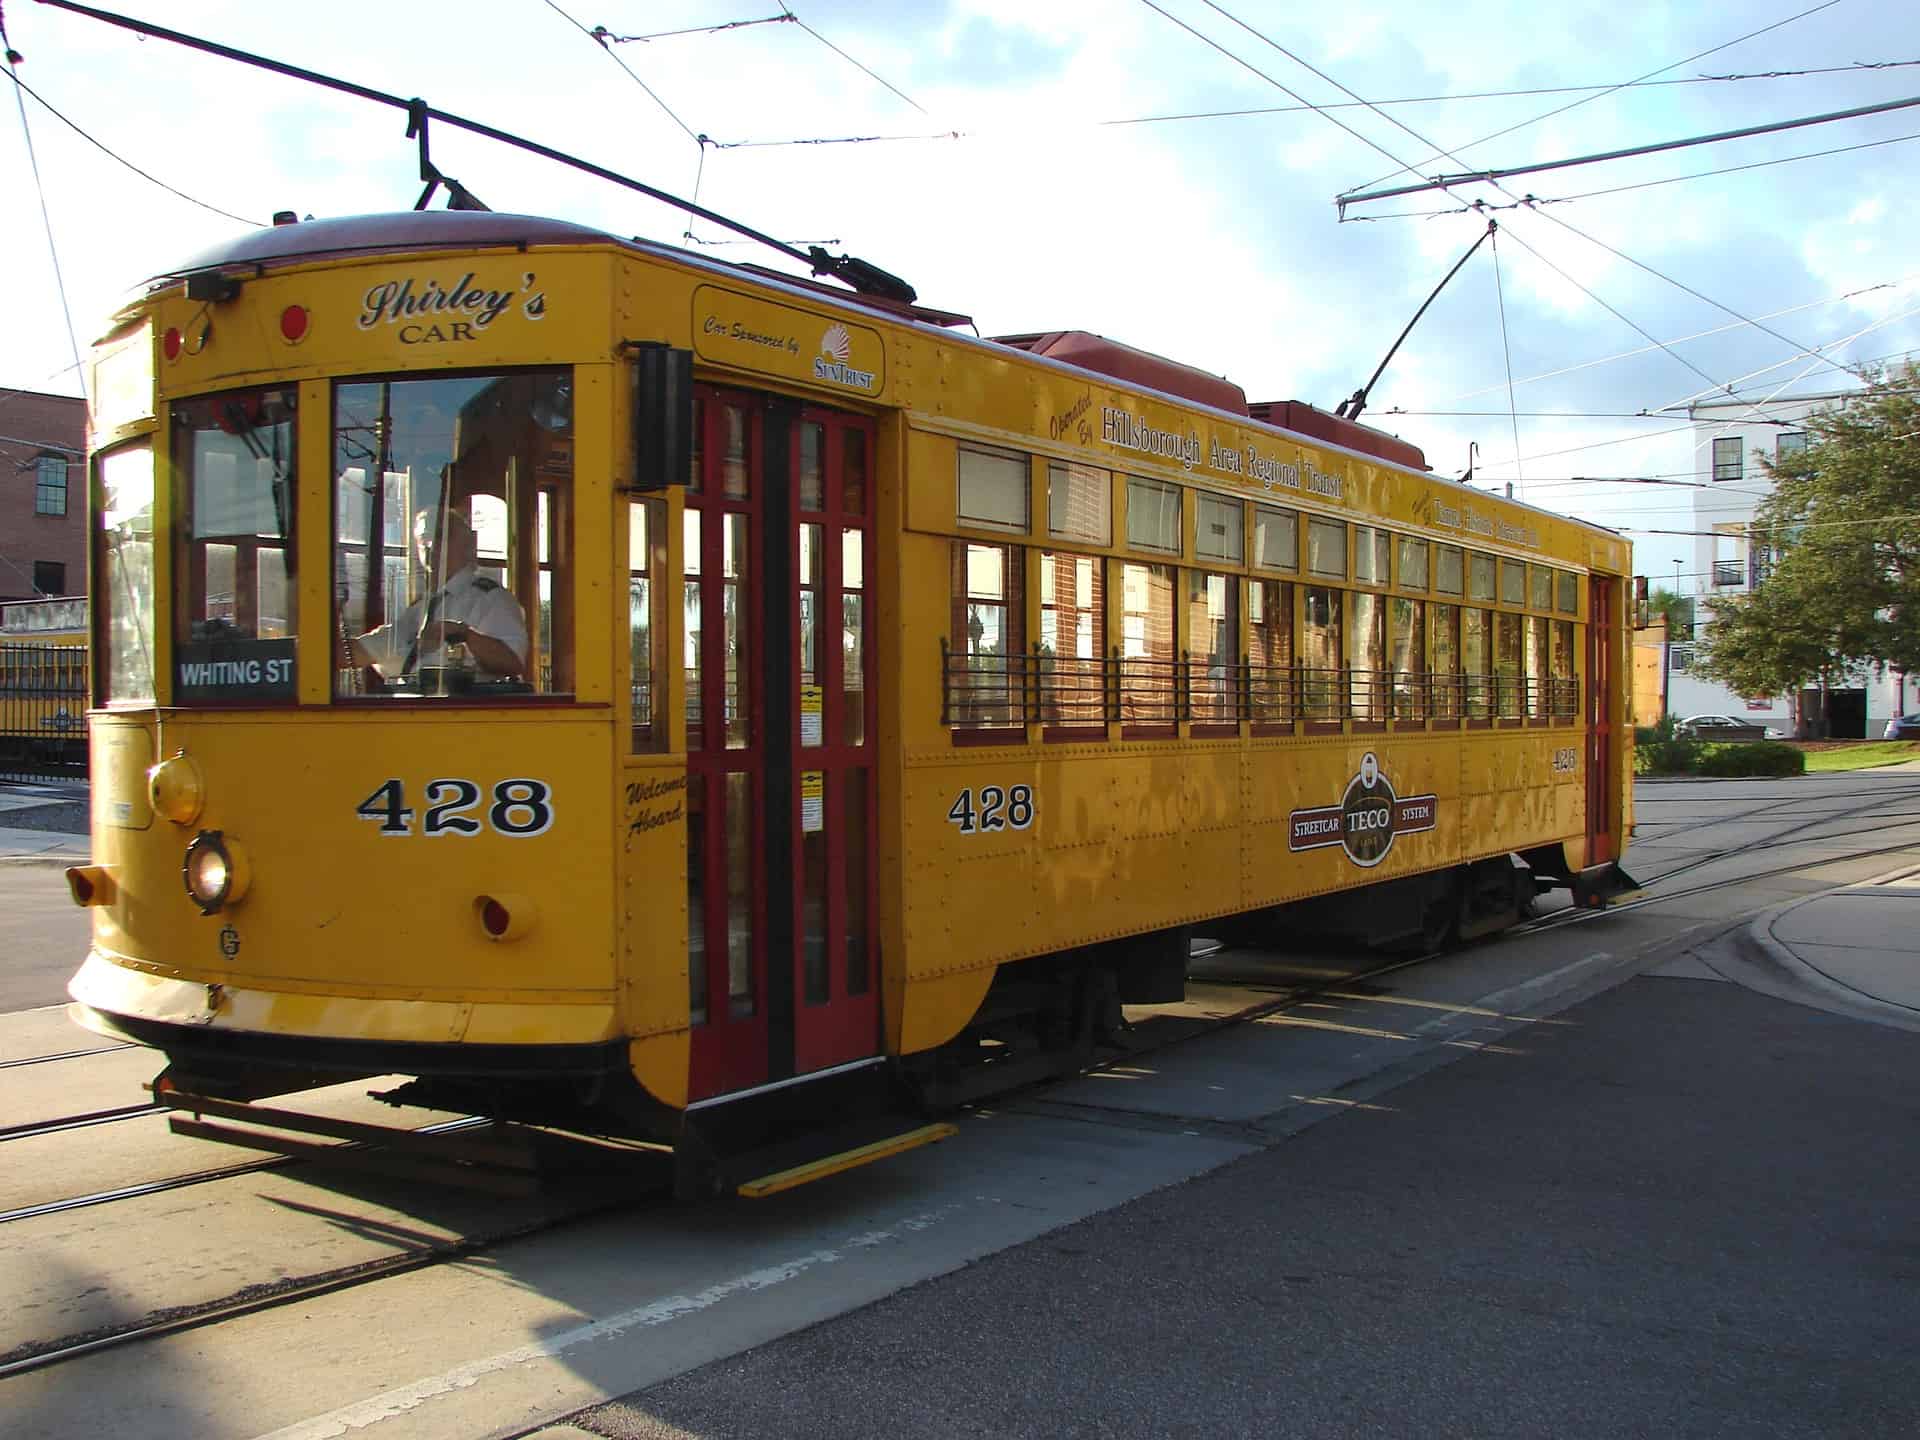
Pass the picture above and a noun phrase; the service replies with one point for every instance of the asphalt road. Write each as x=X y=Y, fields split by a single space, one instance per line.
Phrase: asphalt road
x=1680 y=1209
x=43 y=936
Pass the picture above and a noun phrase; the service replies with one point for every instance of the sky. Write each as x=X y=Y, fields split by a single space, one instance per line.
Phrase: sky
x=1162 y=172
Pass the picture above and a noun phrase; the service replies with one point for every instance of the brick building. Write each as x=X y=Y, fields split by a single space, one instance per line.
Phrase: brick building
x=43 y=495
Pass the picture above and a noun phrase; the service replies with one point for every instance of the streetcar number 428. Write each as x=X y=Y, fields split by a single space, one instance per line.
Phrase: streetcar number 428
x=521 y=807
x=1000 y=809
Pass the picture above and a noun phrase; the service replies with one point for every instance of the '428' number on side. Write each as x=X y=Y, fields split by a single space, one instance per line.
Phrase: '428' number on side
x=1008 y=809
x=521 y=807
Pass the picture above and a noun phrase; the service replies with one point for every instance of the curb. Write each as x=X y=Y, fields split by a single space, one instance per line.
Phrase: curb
x=1757 y=944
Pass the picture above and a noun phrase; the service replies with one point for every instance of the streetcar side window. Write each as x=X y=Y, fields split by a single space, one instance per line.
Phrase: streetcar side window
x=986 y=642
x=994 y=490
x=234 y=622
x=453 y=537
x=1367 y=654
x=1270 y=650
x=1073 y=616
x=1148 y=658
x=1327 y=548
x=1407 y=655
x=1079 y=503
x=1213 y=648
x=1448 y=703
x=1320 y=654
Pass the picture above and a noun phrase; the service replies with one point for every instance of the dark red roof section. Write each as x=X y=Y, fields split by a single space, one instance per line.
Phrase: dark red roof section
x=461 y=229
x=1136 y=367
x=403 y=230
x=1305 y=419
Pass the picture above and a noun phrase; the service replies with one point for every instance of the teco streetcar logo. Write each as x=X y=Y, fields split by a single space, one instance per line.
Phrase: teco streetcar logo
x=1365 y=821
x=831 y=363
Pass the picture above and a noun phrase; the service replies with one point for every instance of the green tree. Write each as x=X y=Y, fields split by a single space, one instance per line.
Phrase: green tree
x=1842 y=526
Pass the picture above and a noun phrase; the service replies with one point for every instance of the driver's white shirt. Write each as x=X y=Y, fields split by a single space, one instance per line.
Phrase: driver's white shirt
x=467 y=598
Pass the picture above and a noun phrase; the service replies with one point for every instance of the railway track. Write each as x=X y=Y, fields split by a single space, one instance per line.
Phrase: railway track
x=1283 y=996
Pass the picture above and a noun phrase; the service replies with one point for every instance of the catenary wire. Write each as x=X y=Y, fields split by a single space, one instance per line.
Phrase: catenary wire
x=1561 y=110
x=1480 y=206
x=13 y=58
x=878 y=80
x=595 y=36
x=122 y=160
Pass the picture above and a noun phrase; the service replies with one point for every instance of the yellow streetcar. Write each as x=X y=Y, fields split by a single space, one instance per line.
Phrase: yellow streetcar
x=662 y=699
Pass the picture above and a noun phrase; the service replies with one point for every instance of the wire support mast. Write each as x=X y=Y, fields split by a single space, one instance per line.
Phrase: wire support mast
x=861 y=275
x=1350 y=408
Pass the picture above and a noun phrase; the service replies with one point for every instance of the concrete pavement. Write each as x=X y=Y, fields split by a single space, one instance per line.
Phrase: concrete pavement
x=1859 y=946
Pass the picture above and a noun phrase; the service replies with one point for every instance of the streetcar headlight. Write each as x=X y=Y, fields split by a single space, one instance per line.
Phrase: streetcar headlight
x=216 y=871
x=176 y=789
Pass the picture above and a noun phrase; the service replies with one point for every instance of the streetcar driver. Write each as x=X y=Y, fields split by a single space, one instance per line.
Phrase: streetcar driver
x=460 y=607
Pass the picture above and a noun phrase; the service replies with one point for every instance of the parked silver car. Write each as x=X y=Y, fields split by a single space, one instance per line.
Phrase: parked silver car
x=1724 y=727
x=1903 y=727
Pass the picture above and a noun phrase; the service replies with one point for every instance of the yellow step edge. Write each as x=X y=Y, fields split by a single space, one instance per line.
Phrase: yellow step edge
x=846 y=1160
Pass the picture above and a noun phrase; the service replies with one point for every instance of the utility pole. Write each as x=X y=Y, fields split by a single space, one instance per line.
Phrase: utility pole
x=1666 y=676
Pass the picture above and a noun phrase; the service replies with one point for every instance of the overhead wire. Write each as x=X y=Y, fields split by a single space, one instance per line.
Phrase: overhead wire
x=1506 y=351
x=606 y=36
x=1574 y=105
x=13 y=59
x=122 y=160
x=1526 y=201
x=595 y=36
x=1302 y=108
x=1688 y=289
x=877 y=79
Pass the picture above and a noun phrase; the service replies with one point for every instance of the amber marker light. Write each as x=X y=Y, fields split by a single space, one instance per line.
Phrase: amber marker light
x=504 y=917
x=90 y=884
x=216 y=872
x=176 y=789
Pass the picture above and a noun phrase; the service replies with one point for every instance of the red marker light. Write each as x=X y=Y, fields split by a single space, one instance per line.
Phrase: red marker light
x=494 y=918
x=171 y=343
x=293 y=324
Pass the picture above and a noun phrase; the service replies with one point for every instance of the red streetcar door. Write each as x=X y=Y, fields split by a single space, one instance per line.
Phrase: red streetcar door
x=724 y=538
x=781 y=805
x=1603 y=841
x=837 y=1014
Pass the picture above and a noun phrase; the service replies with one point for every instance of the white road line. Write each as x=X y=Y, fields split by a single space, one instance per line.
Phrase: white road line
x=412 y=1396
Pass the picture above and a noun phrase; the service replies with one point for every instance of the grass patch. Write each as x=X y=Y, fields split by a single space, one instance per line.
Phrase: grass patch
x=1860 y=755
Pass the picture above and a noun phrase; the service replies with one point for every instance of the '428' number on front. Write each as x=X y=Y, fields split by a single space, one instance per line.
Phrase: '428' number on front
x=1008 y=809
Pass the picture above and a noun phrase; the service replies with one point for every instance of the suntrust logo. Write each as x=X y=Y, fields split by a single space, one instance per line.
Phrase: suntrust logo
x=831 y=363
x=1366 y=820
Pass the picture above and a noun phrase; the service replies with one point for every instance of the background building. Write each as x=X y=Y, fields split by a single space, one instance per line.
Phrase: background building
x=43 y=495
x=1731 y=439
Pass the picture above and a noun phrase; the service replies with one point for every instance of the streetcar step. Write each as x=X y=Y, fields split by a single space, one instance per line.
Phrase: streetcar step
x=820 y=1169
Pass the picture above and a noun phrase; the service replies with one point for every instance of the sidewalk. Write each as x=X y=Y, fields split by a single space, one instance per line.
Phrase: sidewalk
x=47 y=845
x=1860 y=944
x=24 y=841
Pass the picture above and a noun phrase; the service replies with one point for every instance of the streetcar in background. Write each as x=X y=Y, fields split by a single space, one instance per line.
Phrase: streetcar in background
x=669 y=700
x=43 y=687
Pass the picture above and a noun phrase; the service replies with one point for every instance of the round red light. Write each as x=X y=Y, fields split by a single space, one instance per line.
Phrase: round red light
x=171 y=342
x=494 y=918
x=293 y=323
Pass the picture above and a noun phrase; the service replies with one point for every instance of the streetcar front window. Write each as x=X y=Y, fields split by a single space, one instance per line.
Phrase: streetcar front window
x=233 y=462
x=453 y=536
x=125 y=566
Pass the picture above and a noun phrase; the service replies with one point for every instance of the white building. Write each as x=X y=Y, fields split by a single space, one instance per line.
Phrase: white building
x=1731 y=437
